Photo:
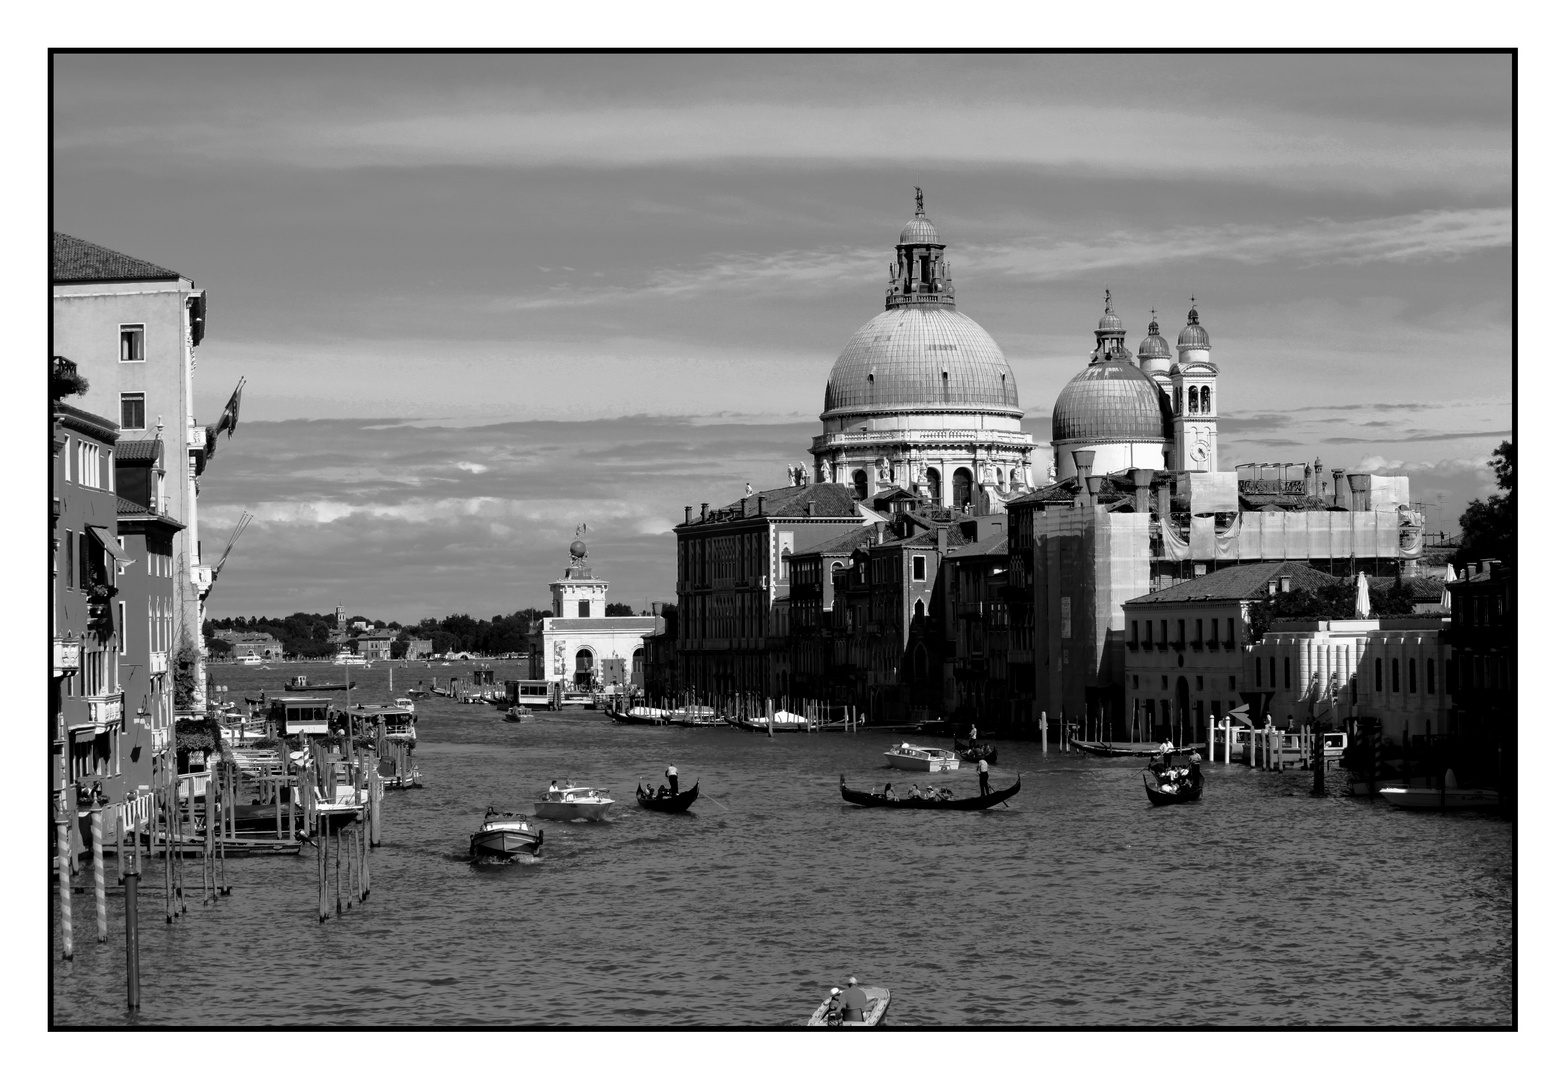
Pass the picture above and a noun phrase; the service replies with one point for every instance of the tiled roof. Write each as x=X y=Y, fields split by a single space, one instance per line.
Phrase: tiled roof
x=843 y=543
x=138 y=451
x=832 y=500
x=992 y=544
x=122 y=505
x=78 y=260
x=1247 y=582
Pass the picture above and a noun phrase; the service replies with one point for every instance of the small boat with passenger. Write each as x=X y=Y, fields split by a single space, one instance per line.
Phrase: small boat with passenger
x=922 y=758
x=504 y=836
x=664 y=802
x=973 y=751
x=866 y=1010
x=569 y=801
x=889 y=799
x=1166 y=786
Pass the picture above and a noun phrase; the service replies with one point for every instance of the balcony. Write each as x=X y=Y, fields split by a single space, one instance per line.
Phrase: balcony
x=67 y=657
x=158 y=663
x=105 y=711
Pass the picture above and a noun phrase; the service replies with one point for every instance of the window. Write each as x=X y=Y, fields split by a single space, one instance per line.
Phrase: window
x=70 y=559
x=861 y=482
x=122 y=628
x=918 y=567
x=1413 y=682
x=1181 y=625
x=1065 y=616
x=132 y=338
x=1430 y=686
x=1395 y=666
x=1199 y=686
x=1136 y=682
x=1230 y=639
x=1287 y=668
x=1272 y=671
x=1166 y=684
x=1192 y=407
x=1207 y=400
x=1163 y=631
x=1378 y=674
x=133 y=410
x=584 y=609
x=1231 y=682
x=1258 y=671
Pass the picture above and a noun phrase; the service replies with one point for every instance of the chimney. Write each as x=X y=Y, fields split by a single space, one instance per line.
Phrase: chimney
x=1142 y=478
x=810 y=508
x=1084 y=463
x=1163 y=500
x=657 y=608
x=941 y=540
x=1095 y=484
x=1340 y=490
x=1473 y=571
x=704 y=511
x=687 y=515
x=761 y=505
x=1359 y=485
x=1283 y=582
x=880 y=532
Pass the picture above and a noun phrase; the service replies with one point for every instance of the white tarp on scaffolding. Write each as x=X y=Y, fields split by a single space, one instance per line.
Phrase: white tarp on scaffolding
x=1388 y=492
x=1204 y=541
x=1215 y=493
x=1305 y=534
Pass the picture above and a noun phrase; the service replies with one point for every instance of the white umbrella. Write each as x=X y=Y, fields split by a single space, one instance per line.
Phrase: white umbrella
x=1362 y=598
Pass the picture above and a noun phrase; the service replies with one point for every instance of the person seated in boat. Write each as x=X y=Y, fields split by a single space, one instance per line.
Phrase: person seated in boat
x=855 y=1002
x=554 y=785
x=663 y=791
x=834 y=1004
x=929 y=792
x=888 y=794
x=913 y=791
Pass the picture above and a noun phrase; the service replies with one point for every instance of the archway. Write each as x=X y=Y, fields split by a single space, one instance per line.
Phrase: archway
x=1182 y=713
x=861 y=484
x=584 y=669
x=933 y=477
x=962 y=488
x=1207 y=399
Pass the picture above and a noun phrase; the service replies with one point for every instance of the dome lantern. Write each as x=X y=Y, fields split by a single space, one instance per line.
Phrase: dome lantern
x=921 y=274
x=1193 y=336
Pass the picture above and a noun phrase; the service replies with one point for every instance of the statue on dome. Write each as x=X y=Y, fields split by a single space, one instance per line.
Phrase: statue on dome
x=919 y=204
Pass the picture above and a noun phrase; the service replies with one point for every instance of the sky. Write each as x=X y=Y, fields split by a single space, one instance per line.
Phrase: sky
x=480 y=300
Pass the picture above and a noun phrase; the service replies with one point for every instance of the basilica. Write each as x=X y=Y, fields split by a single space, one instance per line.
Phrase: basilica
x=922 y=398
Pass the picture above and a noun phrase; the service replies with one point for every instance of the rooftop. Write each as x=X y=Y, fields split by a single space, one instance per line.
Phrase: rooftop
x=77 y=260
x=832 y=501
x=639 y=623
x=1246 y=582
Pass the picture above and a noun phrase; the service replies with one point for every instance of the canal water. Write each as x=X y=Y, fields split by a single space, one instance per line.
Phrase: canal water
x=1078 y=904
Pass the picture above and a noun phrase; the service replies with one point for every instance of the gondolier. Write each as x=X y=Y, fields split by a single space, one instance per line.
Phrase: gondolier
x=673 y=776
x=984 y=777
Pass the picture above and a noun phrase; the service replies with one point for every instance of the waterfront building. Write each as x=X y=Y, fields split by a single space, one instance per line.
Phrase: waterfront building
x=419 y=648
x=1482 y=669
x=135 y=325
x=247 y=645
x=974 y=671
x=732 y=587
x=375 y=646
x=579 y=649
x=1186 y=647
x=922 y=397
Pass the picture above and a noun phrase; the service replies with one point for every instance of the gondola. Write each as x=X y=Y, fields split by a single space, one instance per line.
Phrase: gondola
x=639 y=714
x=1186 y=789
x=973 y=751
x=978 y=802
x=669 y=804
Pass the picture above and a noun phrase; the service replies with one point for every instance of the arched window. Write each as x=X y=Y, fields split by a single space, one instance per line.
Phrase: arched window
x=636 y=662
x=861 y=484
x=934 y=478
x=918 y=613
x=584 y=660
x=1191 y=407
x=962 y=488
x=1207 y=400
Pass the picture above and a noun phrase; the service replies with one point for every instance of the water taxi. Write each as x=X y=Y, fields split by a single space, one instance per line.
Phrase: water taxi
x=569 y=801
x=922 y=758
x=1434 y=798
x=504 y=836
x=400 y=722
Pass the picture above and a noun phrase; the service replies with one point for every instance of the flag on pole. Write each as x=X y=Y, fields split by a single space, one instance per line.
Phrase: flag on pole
x=229 y=421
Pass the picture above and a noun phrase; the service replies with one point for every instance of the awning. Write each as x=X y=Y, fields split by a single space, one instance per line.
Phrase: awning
x=110 y=544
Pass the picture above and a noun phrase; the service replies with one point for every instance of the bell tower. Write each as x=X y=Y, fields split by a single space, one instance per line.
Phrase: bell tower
x=1193 y=390
x=921 y=274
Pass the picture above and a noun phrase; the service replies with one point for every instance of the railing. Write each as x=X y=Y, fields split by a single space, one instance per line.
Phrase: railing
x=103 y=711
x=979 y=435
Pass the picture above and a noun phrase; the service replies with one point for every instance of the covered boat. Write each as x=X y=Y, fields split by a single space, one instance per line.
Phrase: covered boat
x=880 y=998
x=896 y=802
x=637 y=714
x=504 y=836
x=697 y=716
x=1434 y=798
x=922 y=758
x=669 y=804
x=572 y=802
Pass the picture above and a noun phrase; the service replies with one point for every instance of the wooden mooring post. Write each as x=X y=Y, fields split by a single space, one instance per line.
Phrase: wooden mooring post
x=99 y=890
x=62 y=841
x=132 y=934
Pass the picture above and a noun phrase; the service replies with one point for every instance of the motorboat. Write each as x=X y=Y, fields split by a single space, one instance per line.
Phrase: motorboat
x=1174 y=785
x=893 y=801
x=880 y=999
x=669 y=804
x=517 y=713
x=922 y=758
x=569 y=801
x=351 y=658
x=400 y=722
x=406 y=703
x=504 y=836
x=301 y=682
x=1434 y=798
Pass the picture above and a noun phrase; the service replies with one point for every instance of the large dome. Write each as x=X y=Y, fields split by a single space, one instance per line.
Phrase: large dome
x=922 y=357
x=1112 y=402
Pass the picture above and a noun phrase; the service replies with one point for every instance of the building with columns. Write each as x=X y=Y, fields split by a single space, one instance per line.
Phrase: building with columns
x=921 y=397
x=582 y=648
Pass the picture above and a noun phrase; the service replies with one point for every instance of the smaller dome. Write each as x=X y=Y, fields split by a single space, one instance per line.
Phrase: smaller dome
x=919 y=230
x=1153 y=346
x=1193 y=336
x=1110 y=321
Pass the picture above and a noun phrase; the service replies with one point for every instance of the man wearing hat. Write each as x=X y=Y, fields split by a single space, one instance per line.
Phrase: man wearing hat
x=855 y=1002
x=834 y=1004
x=674 y=779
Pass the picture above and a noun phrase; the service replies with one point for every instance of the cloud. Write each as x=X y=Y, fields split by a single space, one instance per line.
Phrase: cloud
x=472 y=467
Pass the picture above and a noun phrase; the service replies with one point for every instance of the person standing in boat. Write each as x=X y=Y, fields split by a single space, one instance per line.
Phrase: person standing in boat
x=673 y=775
x=984 y=777
x=973 y=734
x=1166 y=748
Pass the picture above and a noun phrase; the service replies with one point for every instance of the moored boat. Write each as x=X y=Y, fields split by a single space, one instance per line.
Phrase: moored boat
x=880 y=999
x=697 y=716
x=666 y=803
x=569 y=801
x=504 y=836
x=922 y=758
x=300 y=682
x=1434 y=798
x=637 y=714
x=894 y=802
